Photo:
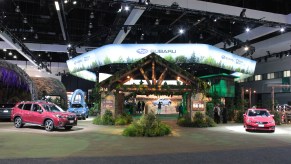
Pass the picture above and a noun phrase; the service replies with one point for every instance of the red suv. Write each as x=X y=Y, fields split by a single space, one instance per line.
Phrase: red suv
x=42 y=113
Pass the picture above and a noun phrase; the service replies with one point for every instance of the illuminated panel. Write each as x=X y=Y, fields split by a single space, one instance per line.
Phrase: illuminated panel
x=192 y=53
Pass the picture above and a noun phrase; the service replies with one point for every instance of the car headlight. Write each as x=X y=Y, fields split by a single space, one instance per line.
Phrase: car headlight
x=272 y=122
x=59 y=116
x=249 y=121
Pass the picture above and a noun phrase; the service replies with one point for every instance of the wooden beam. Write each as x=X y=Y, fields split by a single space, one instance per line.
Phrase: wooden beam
x=154 y=73
x=162 y=77
x=145 y=76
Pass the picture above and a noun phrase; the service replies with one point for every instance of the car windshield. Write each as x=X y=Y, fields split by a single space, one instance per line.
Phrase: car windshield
x=52 y=108
x=258 y=113
x=77 y=106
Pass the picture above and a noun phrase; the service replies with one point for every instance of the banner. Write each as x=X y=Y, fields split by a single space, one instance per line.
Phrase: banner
x=179 y=53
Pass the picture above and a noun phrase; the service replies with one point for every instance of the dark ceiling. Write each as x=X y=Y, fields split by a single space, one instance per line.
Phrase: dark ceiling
x=95 y=23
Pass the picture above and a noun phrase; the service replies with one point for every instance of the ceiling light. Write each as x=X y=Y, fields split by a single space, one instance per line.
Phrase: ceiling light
x=35 y=36
x=31 y=29
x=69 y=45
x=17 y=9
x=126 y=8
x=57 y=5
x=157 y=22
x=89 y=33
x=246 y=48
x=39 y=55
x=74 y=2
x=120 y=9
x=10 y=53
x=147 y=2
x=66 y=1
x=4 y=50
x=24 y=20
x=201 y=36
x=282 y=29
x=247 y=29
x=181 y=31
x=233 y=22
x=24 y=38
x=92 y=15
x=215 y=20
x=15 y=57
x=90 y=25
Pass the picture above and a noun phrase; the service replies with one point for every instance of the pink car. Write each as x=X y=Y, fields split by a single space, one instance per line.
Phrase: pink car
x=259 y=119
x=42 y=113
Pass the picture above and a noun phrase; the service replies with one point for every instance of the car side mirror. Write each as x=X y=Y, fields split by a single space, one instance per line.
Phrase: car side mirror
x=39 y=111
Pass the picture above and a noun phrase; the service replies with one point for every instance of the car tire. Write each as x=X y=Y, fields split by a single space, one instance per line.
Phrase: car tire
x=68 y=127
x=18 y=122
x=49 y=125
x=84 y=118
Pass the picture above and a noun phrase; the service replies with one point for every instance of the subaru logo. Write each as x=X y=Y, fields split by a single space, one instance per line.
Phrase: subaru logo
x=142 y=51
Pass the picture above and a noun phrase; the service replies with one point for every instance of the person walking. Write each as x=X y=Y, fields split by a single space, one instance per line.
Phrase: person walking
x=138 y=107
x=180 y=109
x=159 y=108
x=142 y=106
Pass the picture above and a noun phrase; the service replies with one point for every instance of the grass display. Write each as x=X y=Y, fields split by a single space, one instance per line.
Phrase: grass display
x=108 y=119
x=147 y=126
x=199 y=120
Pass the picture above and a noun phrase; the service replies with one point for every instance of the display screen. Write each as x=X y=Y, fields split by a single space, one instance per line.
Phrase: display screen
x=185 y=53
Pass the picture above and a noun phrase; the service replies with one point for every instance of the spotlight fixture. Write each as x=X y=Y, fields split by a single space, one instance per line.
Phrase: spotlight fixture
x=25 y=20
x=31 y=29
x=17 y=9
x=89 y=33
x=157 y=22
x=247 y=29
x=246 y=48
x=35 y=36
x=74 y=2
x=92 y=15
x=147 y=2
x=243 y=13
x=10 y=53
x=126 y=8
x=201 y=36
x=90 y=25
x=24 y=38
x=181 y=31
x=69 y=45
x=65 y=1
x=282 y=29
x=4 y=50
x=120 y=9
x=15 y=57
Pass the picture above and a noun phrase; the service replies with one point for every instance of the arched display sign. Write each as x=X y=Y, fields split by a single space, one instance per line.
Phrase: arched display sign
x=187 y=53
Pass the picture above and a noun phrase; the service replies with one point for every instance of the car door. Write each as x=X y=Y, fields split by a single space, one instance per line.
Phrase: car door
x=26 y=111
x=36 y=115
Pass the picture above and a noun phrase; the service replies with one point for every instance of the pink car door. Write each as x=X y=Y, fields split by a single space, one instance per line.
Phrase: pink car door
x=25 y=114
x=36 y=115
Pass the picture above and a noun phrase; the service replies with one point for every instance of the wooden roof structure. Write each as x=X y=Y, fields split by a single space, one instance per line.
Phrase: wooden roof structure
x=154 y=70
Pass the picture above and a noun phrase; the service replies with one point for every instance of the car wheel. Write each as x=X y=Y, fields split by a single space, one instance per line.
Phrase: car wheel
x=68 y=127
x=84 y=118
x=87 y=116
x=49 y=125
x=18 y=122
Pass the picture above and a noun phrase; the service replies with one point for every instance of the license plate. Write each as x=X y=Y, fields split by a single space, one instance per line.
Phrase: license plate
x=71 y=121
x=260 y=125
x=5 y=111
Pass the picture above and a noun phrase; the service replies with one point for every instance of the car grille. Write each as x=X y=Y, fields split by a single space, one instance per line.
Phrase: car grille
x=71 y=117
x=262 y=122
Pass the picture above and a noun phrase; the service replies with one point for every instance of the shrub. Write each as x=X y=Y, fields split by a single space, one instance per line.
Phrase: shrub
x=239 y=118
x=93 y=110
x=277 y=117
x=199 y=120
x=123 y=119
x=148 y=125
x=106 y=119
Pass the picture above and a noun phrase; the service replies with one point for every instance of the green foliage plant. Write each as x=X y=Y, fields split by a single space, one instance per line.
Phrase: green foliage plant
x=147 y=126
x=199 y=121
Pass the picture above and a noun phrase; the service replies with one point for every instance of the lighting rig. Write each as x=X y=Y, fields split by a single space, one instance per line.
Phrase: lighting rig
x=19 y=46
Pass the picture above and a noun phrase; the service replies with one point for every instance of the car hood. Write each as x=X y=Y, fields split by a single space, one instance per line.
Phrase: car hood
x=261 y=119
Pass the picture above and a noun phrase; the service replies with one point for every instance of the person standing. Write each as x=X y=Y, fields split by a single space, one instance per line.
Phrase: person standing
x=142 y=106
x=216 y=111
x=159 y=108
x=180 y=109
x=138 y=107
